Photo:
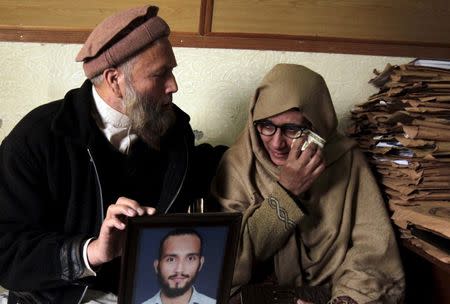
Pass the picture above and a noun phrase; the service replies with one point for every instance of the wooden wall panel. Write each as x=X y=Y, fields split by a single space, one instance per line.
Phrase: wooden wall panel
x=411 y=28
x=83 y=15
x=411 y=21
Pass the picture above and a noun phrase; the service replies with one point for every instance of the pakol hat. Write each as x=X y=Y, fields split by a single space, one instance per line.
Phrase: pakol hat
x=119 y=37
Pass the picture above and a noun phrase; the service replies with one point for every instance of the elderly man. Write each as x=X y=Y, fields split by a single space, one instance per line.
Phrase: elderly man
x=72 y=170
x=179 y=262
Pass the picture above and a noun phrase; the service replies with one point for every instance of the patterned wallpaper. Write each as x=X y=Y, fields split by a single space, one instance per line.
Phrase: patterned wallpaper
x=215 y=85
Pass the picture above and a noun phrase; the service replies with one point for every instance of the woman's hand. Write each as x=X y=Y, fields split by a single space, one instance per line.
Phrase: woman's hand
x=302 y=168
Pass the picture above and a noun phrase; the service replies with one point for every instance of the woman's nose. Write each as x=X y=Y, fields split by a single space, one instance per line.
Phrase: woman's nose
x=278 y=141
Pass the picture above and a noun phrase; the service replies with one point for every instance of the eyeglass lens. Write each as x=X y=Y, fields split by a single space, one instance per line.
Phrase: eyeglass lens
x=289 y=130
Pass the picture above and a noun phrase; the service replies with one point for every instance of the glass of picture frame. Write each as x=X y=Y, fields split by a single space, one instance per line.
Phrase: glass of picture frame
x=145 y=252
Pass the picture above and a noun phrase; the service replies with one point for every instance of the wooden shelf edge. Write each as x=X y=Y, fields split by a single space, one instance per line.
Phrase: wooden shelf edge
x=281 y=43
x=419 y=251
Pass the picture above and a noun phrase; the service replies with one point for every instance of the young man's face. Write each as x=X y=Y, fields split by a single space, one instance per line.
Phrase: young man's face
x=179 y=264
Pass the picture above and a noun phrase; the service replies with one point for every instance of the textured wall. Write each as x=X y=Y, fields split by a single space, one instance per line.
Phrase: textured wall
x=215 y=85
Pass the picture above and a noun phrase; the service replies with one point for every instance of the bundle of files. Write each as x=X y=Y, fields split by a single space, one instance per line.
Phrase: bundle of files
x=404 y=130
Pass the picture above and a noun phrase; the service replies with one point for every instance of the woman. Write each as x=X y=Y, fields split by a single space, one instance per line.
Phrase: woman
x=316 y=216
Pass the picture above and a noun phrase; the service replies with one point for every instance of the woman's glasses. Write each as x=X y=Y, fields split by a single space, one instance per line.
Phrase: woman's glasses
x=267 y=128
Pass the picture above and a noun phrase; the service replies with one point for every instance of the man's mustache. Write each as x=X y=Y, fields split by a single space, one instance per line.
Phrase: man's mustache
x=166 y=101
x=186 y=276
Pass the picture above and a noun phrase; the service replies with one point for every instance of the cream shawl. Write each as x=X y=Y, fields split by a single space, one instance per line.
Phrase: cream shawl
x=340 y=233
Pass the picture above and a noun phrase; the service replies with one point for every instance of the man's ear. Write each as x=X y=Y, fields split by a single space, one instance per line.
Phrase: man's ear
x=112 y=79
x=202 y=260
x=155 y=265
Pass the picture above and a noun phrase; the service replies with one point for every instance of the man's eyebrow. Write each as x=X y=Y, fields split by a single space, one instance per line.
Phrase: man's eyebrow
x=176 y=255
x=162 y=68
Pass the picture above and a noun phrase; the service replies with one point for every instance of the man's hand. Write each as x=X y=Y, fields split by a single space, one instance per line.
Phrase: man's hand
x=109 y=242
x=301 y=168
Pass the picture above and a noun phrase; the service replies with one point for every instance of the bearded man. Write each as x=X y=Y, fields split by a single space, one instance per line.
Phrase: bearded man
x=179 y=262
x=73 y=170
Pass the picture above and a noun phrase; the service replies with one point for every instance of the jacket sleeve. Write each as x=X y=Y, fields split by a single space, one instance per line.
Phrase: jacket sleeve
x=372 y=270
x=267 y=223
x=34 y=253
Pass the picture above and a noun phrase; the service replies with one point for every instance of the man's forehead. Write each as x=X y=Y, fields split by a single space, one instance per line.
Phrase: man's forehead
x=181 y=243
x=158 y=56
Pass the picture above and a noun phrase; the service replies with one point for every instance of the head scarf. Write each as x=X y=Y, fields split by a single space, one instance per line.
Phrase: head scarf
x=289 y=86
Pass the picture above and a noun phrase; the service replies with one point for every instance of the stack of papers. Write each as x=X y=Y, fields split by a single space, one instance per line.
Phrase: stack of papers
x=404 y=130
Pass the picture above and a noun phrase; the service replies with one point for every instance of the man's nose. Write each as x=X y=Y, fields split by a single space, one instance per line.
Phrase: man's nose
x=171 y=85
x=179 y=267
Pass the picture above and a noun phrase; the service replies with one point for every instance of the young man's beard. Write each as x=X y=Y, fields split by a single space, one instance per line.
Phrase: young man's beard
x=173 y=292
x=150 y=119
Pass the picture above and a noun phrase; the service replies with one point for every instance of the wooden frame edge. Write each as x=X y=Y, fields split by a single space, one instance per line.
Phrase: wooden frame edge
x=209 y=11
x=299 y=44
x=248 y=41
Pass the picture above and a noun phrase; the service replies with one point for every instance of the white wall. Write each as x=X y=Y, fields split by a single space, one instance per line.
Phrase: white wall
x=215 y=85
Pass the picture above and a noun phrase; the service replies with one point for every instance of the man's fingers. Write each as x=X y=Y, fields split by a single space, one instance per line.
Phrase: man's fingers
x=116 y=210
x=128 y=207
x=149 y=210
x=131 y=204
x=114 y=222
x=109 y=243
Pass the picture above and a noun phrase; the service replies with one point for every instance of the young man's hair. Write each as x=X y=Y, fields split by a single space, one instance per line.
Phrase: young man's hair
x=178 y=232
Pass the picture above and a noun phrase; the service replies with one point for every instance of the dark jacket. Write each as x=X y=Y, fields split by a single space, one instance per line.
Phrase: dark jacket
x=51 y=195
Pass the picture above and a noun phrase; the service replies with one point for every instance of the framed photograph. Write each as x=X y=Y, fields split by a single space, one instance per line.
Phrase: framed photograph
x=179 y=257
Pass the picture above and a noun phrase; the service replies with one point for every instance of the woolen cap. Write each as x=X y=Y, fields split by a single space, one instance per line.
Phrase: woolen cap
x=119 y=37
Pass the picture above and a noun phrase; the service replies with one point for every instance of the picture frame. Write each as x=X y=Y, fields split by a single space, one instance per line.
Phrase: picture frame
x=144 y=238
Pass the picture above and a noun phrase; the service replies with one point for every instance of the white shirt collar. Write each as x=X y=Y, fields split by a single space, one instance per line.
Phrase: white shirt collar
x=114 y=125
x=194 y=297
x=108 y=114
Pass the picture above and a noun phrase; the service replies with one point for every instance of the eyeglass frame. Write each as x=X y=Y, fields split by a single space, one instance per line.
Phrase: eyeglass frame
x=300 y=129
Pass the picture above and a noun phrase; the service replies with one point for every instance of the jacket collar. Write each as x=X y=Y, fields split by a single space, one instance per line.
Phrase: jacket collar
x=74 y=119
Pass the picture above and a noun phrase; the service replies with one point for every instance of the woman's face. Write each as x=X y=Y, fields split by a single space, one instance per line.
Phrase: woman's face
x=278 y=145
